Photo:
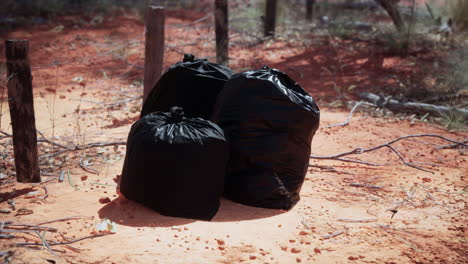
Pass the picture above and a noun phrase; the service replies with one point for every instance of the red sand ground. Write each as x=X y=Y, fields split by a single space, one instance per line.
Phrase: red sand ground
x=429 y=227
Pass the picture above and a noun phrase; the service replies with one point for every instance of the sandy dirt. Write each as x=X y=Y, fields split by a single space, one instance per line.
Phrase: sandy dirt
x=404 y=215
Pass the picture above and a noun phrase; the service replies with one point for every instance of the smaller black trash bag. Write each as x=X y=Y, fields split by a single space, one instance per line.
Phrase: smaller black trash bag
x=269 y=121
x=192 y=84
x=175 y=165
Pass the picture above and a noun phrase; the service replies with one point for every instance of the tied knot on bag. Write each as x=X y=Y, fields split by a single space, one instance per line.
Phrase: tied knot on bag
x=177 y=114
x=188 y=58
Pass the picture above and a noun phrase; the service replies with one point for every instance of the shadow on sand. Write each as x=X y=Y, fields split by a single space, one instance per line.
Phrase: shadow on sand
x=129 y=213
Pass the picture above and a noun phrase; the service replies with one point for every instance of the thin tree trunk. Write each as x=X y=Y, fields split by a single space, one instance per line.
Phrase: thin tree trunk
x=221 y=30
x=391 y=7
x=310 y=9
x=270 y=18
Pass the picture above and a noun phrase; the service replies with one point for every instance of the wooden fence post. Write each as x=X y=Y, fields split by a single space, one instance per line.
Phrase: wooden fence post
x=222 y=29
x=310 y=9
x=154 y=47
x=270 y=18
x=20 y=99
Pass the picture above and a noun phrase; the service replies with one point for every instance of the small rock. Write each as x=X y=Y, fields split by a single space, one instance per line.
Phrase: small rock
x=318 y=251
x=252 y=257
x=104 y=200
x=303 y=233
x=220 y=242
x=84 y=178
x=352 y=258
x=295 y=250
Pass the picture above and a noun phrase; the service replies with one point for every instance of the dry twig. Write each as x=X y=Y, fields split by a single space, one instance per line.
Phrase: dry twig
x=51 y=243
x=83 y=147
x=337 y=233
x=360 y=150
x=357 y=220
x=86 y=168
x=65 y=219
x=346 y=122
x=365 y=185
x=455 y=145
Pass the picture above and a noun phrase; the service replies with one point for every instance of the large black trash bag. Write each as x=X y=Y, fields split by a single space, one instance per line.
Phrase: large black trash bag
x=269 y=121
x=175 y=165
x=192 y=84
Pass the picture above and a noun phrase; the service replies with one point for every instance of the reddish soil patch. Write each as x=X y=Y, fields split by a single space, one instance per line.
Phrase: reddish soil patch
x=411 y=216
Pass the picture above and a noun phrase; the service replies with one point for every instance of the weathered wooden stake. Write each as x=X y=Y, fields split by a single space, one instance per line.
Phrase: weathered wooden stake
x=310 y=9
x=154 y=47
x=222 y=29
x=20 y=99
x=270 y=18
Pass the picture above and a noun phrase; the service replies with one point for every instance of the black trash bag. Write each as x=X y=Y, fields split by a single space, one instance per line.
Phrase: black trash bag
x=175 y=165
x=269 y=121
x=192 y=84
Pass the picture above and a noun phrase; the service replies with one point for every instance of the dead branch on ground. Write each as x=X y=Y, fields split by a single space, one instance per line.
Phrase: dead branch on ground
x=455 y=145
x=361 y=150
x=65 y=219
x=410 y=107
x=346 y=122
x=52 y=243
x=83 y=147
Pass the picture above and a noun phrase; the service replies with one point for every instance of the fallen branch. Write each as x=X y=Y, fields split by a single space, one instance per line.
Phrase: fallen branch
x=365 y=185
x=61 y=243
x=354 y=193
x=357 y=220
x=29 y=227
x=46 y=192
x=410 y=107
x=5 y=135
x=333 y=235
x=360 y=150
x=330 y=169
x=44 y=243
x=65 y=219
x=88 y=146
x=44 y=139
x=358 y=161
x=455 y=145
x=86 y=168
x=345 y=123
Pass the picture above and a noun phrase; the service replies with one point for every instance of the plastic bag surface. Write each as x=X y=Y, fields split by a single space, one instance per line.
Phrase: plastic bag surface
x=269 y=121
x=192 y=84
x=175 y=165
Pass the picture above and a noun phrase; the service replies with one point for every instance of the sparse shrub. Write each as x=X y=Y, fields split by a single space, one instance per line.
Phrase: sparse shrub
x=396 y=43
x=459 y=13
x=456 y=70
x=454 y=120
